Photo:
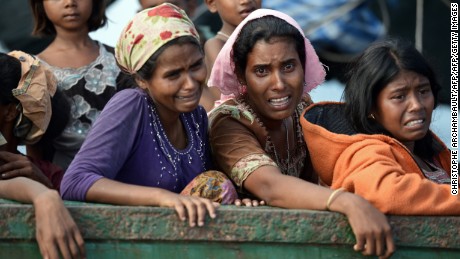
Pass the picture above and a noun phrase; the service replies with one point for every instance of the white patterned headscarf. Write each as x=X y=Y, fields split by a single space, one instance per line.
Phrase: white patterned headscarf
x=148 y=31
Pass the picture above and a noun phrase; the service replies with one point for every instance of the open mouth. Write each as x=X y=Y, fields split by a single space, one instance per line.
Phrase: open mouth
x=413 y=123
x=278 y=102
x=246 y=12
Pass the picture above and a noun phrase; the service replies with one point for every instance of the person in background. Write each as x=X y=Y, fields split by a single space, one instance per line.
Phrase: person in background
x=256 y=138
x=378 y=144
x=34 y=112
x=86 y=70
x=27 y=92
x=231 y=12
x=150 y=144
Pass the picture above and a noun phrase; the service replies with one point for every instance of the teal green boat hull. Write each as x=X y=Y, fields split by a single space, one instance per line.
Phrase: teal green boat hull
x=237 y=232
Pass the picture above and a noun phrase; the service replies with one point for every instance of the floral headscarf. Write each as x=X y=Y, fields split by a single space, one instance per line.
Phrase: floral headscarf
x=223 y=77
x=148 y=31
x=35 y=89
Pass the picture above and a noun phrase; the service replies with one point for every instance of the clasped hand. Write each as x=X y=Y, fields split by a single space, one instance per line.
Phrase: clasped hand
x=15 y=165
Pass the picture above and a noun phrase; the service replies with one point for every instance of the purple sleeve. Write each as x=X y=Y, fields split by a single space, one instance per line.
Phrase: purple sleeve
x=107 y=145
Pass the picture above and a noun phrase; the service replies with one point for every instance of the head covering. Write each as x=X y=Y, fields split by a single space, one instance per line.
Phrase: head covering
x=148 y=31
x=35 y=89
x=223 y=76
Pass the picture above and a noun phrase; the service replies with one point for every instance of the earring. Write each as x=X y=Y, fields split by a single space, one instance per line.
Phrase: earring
x=371 y=116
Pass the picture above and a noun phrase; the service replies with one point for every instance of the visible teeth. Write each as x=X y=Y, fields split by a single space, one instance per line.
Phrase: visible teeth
x=412 y=123
x=184 y=97
x=279 y=100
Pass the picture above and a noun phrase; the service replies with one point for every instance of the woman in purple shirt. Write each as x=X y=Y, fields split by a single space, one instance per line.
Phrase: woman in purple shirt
x=151 y=143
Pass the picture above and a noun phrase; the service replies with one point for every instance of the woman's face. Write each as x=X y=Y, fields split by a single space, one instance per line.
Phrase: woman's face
x=404 y=106
x=68 y=14
x=274 y=77
x=177 y=82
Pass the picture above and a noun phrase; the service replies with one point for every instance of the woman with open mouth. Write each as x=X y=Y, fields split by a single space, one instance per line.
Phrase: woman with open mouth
x=378 y=143
x=256 y=138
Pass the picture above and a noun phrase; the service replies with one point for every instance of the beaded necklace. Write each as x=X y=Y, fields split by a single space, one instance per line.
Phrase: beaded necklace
x=174 y=157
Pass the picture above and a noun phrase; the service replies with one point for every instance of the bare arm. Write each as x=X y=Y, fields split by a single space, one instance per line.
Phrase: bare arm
x=109 y=191
x=210 y=94
x=232 y=142
x=56 y=232
x=212 y=48
x=370 y=226
x=22 y=189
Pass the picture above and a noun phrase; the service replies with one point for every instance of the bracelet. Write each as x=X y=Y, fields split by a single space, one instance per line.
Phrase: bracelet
x=332 y=196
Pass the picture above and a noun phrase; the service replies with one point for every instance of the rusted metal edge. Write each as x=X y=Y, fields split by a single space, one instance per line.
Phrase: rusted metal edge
x=233 y=224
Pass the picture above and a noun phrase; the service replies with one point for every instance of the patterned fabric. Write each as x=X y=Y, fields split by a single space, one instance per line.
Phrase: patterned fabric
x=437 y=174
x=148 y=31
x=88 y=89
x=213 y=185
x=349 y=32
x=246 y=165
x=223 y=77
x=241 y=143
x=35 y=89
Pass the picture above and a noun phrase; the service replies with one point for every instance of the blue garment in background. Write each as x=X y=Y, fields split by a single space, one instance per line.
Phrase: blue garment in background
x=350 y=33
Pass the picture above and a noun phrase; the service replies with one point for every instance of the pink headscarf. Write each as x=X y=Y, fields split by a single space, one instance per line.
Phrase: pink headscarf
x=223 y=77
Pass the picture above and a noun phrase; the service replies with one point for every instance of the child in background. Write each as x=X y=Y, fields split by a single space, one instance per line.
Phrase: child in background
x=231 y=12
x=86 y=70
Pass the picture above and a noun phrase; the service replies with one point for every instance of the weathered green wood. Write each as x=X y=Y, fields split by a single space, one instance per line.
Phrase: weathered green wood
x=237 y=232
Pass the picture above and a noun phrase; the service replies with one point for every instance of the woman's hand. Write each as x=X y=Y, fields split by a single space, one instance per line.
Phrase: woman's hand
x=189 y=206
x=249 y=203
x=370 y=226
x=56 y=232
x=15 y=165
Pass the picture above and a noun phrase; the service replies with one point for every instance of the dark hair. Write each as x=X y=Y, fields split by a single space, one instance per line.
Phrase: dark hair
x=146 y=71
x=60 y=106
x=372 y=71
x=10 y=74
x=264 y=28
x=44 y=27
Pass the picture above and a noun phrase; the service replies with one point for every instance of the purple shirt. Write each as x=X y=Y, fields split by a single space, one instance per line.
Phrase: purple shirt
x=127 y=143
